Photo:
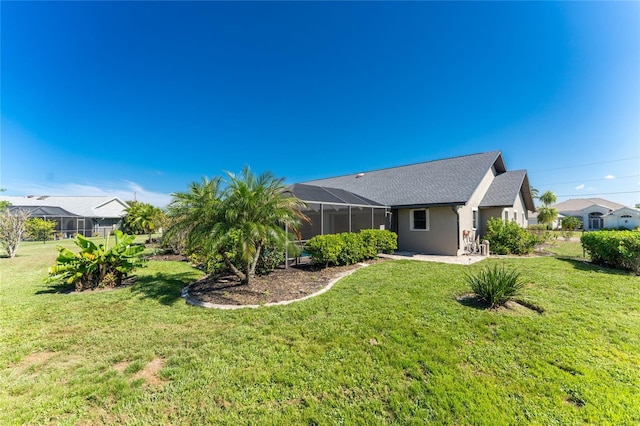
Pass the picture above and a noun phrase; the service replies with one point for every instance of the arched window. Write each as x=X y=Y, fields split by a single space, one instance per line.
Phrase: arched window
x=595 y=220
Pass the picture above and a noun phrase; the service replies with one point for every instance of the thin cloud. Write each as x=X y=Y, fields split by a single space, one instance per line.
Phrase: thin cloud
x=579 y=187
x=609 y=177
x=126 y=191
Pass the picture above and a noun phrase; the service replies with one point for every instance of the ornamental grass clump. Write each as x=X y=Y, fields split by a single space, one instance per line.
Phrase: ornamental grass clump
x=495 y=285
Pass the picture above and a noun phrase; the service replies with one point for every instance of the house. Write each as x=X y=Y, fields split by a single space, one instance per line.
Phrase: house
x=89 y=216
x=590 y=211
x=433 y=206
x=533 y=220
x=624 y=217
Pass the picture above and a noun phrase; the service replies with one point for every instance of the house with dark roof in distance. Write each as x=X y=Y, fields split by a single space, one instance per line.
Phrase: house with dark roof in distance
x=89 y=216
x=432 y=206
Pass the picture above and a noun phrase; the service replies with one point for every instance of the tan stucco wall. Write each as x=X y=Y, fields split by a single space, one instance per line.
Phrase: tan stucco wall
x=439 y=239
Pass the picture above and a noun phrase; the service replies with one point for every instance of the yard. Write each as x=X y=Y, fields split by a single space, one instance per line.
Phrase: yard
x=390 y=344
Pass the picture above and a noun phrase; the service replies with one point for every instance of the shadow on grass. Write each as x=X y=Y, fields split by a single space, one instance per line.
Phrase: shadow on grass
x=166 y=288
x=471 y=301
x=57 y=288
x=583 y=265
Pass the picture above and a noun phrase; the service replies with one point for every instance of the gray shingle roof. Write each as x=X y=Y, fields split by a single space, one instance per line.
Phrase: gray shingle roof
x=43 y=211
x=311 y=193
x=91 y=206
x=441 y=182
x=505 y=188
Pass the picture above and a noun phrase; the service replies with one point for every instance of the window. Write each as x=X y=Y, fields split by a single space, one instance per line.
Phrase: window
x=506 y=215
x=420 y=220
x=475 y=219
x=515 y=216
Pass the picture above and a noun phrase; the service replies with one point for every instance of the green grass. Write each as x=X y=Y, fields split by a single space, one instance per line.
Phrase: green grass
x=389 y=344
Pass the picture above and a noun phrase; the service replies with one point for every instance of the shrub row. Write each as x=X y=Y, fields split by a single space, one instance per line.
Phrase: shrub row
x=348 y=248
x=618 y=249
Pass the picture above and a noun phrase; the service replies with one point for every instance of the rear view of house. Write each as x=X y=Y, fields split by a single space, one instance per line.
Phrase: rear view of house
x=87 y=216
x=433 y=206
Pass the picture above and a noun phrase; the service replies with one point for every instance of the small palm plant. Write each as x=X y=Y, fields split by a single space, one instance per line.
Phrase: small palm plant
x=495 y=285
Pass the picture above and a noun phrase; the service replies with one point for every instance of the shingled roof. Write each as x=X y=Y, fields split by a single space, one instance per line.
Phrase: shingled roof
x=89 y=206
x=450 y=181
x=43 y=211
x=505 y=188
x=577 y=204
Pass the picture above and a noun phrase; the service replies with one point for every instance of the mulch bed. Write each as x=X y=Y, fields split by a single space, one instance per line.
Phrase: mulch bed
x=280 y=285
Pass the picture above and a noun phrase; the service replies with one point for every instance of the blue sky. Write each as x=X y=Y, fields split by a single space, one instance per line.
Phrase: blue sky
x=145 y=97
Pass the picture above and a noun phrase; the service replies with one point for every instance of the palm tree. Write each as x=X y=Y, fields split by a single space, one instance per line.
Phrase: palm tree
x=143 y=217
x=256 y=209
x=548 y=198
x=546 y=214
x=534 y=193
x=194 y=213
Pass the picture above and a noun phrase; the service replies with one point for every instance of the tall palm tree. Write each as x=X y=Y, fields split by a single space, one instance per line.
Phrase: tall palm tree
x=546 y=214
x=548 y=198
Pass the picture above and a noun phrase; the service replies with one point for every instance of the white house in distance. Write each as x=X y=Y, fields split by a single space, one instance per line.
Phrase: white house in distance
x=625 y=217
x=591 y=211
x=89 y=216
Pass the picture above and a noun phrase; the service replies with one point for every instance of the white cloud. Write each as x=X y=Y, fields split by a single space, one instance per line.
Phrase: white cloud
x=126 y=191
x=581 y=186
x=609 y=177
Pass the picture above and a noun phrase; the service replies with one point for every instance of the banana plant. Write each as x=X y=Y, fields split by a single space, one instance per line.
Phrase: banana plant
x=97 y=265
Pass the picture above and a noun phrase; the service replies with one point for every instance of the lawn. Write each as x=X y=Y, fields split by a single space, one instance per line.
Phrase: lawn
x=389 y=344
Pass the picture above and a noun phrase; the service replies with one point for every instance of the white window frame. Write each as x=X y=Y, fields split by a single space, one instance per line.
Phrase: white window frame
x=515 y=216
x=475 y=218
x=412 y=223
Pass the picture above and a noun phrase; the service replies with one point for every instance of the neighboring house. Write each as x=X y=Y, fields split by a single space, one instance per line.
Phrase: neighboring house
x=624 y=217
x=88 y=216
x=533 y=220
x=433 y=205
x=590 y=211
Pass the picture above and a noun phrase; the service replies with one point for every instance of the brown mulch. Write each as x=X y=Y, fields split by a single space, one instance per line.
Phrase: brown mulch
x=295 y=282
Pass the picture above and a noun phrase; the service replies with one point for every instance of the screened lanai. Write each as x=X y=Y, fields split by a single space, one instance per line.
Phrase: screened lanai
x=332 y=211
x=67 y=223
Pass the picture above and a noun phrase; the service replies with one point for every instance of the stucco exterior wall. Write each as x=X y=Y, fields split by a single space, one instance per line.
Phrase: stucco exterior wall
x=584 y=215
x=622 y=218
x=439 y=239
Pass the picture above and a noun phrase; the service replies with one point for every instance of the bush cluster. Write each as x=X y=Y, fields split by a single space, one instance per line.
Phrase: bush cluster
x=509 y=238
x=618 y=249
x=348 y=248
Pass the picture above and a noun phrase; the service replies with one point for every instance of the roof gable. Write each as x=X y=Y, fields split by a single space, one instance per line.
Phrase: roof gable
x=81 y=206
x=505 y=188
x=449 y=181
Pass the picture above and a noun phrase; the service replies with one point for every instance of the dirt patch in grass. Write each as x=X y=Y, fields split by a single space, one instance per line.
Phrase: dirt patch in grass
x=150 y=372
x=121 y=366
x=292 y=283
x=37 y=358
x=516 y=305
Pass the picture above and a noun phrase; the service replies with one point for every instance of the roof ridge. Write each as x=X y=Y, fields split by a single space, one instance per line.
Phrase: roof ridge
x=497 y=152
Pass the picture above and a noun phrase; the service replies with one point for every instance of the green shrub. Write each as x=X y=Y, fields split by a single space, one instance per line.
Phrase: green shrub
x=348 y=248
x=382 y=240
x=97 y=265
x=495 y=285
x=618 y=249
x=571 y=223
x=325 y=249
x=509 y=238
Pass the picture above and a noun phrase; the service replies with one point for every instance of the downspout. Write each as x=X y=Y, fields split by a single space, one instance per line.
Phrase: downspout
x=456 y=210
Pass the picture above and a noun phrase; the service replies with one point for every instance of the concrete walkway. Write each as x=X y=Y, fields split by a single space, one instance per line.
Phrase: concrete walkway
x=458 y=260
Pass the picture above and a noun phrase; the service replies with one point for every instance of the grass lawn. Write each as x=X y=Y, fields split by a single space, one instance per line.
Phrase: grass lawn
x=389 y=344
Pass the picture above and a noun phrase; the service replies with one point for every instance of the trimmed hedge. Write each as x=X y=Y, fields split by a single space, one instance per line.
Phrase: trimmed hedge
x=348 y=248
x=618 y=249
